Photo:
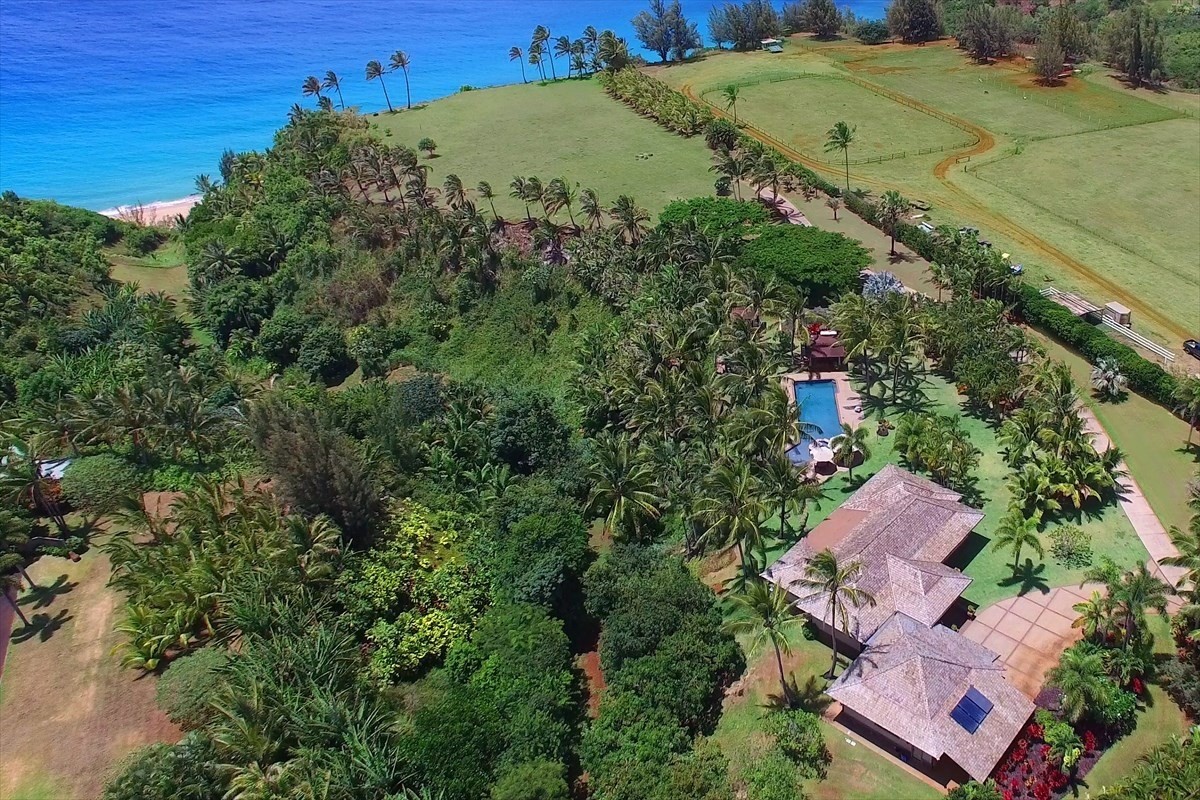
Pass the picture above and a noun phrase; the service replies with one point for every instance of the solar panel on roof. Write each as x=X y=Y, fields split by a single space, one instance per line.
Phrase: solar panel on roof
x=960 y=716
x=978 y=699
x=971 y=710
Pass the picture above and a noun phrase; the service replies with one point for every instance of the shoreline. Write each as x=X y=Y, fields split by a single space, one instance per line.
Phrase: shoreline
x=156 y=213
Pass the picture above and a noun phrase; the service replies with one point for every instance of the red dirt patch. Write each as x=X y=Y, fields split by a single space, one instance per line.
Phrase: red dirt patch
x=589 y=662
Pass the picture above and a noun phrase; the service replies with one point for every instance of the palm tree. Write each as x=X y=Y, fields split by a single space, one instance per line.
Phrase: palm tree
x=589 y=204
x=825 y=577
x=1188 y=544
x=516 y=54
x=1016 y=532
x=399 y=61
x=452 y=190
x=631 y=219
x=621 y=484
x=1187 y=402
x=770 y=617
x=1084 y=682
x=1138 y=591
x=332 y=81
x=730 y=93
x=535 y=58
x=1093 y=616
x=841 y=136
x=311 y=87
x=484 y=189
x=562 y=47
x=519 y=190
x=375 y=71
x=541 y=38
x=23 y=482
x=732 y=508
x=850 y=441
x=1107 y=379
x=834 y=204
x=892 y=208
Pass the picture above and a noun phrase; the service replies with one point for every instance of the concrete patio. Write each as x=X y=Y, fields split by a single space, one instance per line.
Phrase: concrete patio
x=1030 y=632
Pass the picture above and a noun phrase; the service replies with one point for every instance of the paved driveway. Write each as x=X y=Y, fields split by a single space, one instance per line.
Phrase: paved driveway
x=1029 y=632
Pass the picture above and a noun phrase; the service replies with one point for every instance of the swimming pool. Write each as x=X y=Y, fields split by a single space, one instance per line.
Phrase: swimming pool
x=816 y=402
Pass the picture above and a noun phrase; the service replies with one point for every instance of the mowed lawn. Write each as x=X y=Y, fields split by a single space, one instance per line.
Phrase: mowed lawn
x=856 y=771
x=991 y=570
x=801 y=111
x=1149 y=207
x=570 y=129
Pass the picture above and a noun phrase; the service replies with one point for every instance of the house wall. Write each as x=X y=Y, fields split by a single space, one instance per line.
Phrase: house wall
x=885 y=739
x=847 y=645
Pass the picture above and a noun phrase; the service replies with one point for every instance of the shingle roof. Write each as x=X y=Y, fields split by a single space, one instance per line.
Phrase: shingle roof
x=911 y=676
x=901 y=527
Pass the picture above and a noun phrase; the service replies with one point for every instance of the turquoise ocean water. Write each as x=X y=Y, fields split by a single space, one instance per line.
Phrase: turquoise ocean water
x=108 y=102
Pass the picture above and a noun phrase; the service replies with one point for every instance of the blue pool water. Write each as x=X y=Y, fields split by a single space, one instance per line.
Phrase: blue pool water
x=816 y=402
x=109 y=102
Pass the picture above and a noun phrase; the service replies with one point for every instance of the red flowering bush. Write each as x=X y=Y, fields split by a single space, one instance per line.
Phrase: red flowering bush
x=1034 y=731
x=1089 y=741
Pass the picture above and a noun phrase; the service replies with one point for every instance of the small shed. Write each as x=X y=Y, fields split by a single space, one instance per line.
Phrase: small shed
x=826 y=353
x=1118 y=313
x=772 y=45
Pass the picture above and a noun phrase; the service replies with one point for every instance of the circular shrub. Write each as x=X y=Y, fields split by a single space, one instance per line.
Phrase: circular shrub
x=823 y=263
x=97 y=483
x=186 y=689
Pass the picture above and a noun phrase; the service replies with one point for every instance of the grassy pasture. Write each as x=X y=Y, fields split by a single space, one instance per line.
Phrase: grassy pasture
x=569 y=129
x=1094 y=185
x=816 y=103
x=1155 y=190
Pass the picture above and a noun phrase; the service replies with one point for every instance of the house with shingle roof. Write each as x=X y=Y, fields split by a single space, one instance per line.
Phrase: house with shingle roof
x=930 y=694
x=933 y=694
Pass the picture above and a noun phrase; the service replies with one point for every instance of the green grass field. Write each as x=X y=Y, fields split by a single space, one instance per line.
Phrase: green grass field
x=1091 y=185
x=886 y=126
x=569 y=129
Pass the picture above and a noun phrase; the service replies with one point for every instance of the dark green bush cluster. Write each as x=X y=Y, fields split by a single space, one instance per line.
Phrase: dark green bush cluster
x=825 y=264
x=188 y=688
x=97 y=483
x=1145 y=377
x=716 y=215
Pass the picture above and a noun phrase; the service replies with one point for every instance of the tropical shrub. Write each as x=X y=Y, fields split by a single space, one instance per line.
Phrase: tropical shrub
x=188 y=688
x=773 y=776
x=184 y=771
x=97 y=484
x=719 y=216
x=822 y=263
x=1071 y=546
x=799 y=736
x=324 y=356
x=879 y=285
x=533 y=780
x=872 y=31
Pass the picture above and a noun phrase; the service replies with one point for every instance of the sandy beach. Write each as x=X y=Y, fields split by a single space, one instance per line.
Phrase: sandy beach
x=162 y=212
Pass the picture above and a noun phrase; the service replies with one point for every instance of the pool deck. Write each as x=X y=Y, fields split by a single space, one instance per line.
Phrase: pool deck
x=846 y=396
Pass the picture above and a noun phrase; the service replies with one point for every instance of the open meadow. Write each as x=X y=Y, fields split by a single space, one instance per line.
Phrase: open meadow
x=569 y=129
x=1033 y=167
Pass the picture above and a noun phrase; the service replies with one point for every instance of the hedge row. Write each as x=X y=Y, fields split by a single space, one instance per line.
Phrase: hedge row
x=1145 y=377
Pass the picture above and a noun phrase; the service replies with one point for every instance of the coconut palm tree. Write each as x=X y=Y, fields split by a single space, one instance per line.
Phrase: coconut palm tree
x=375 y=72
x=562 y=47
x=1137 y=592
x=732 y=509
x=399 y=61
x=452 y=190
x=825 y=577
x=484 y=190
x=332 y=81
x=631 y=219
x=311 y=87
x=731 y=93
x=1188 y=544
x=769 y=618
x=1108 y=382
x=622 y=484
x=849 y=442
x=541 y=40
x=1016 y=532
x=519 y=190
x=892 y=208
x=592 y=210
x=1187 y=402
x=517 y=54
x=840 y=137
x=1084 y=681
x=23 y=483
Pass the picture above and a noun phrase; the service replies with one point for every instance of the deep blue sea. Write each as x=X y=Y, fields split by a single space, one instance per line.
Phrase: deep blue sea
x=109 y=102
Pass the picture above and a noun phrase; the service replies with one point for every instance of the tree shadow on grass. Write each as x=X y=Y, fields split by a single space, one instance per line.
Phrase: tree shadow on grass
x=1029 y=577
x=45 y=594
x=1192 y=450
x=809 y=696
x=43 y=626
